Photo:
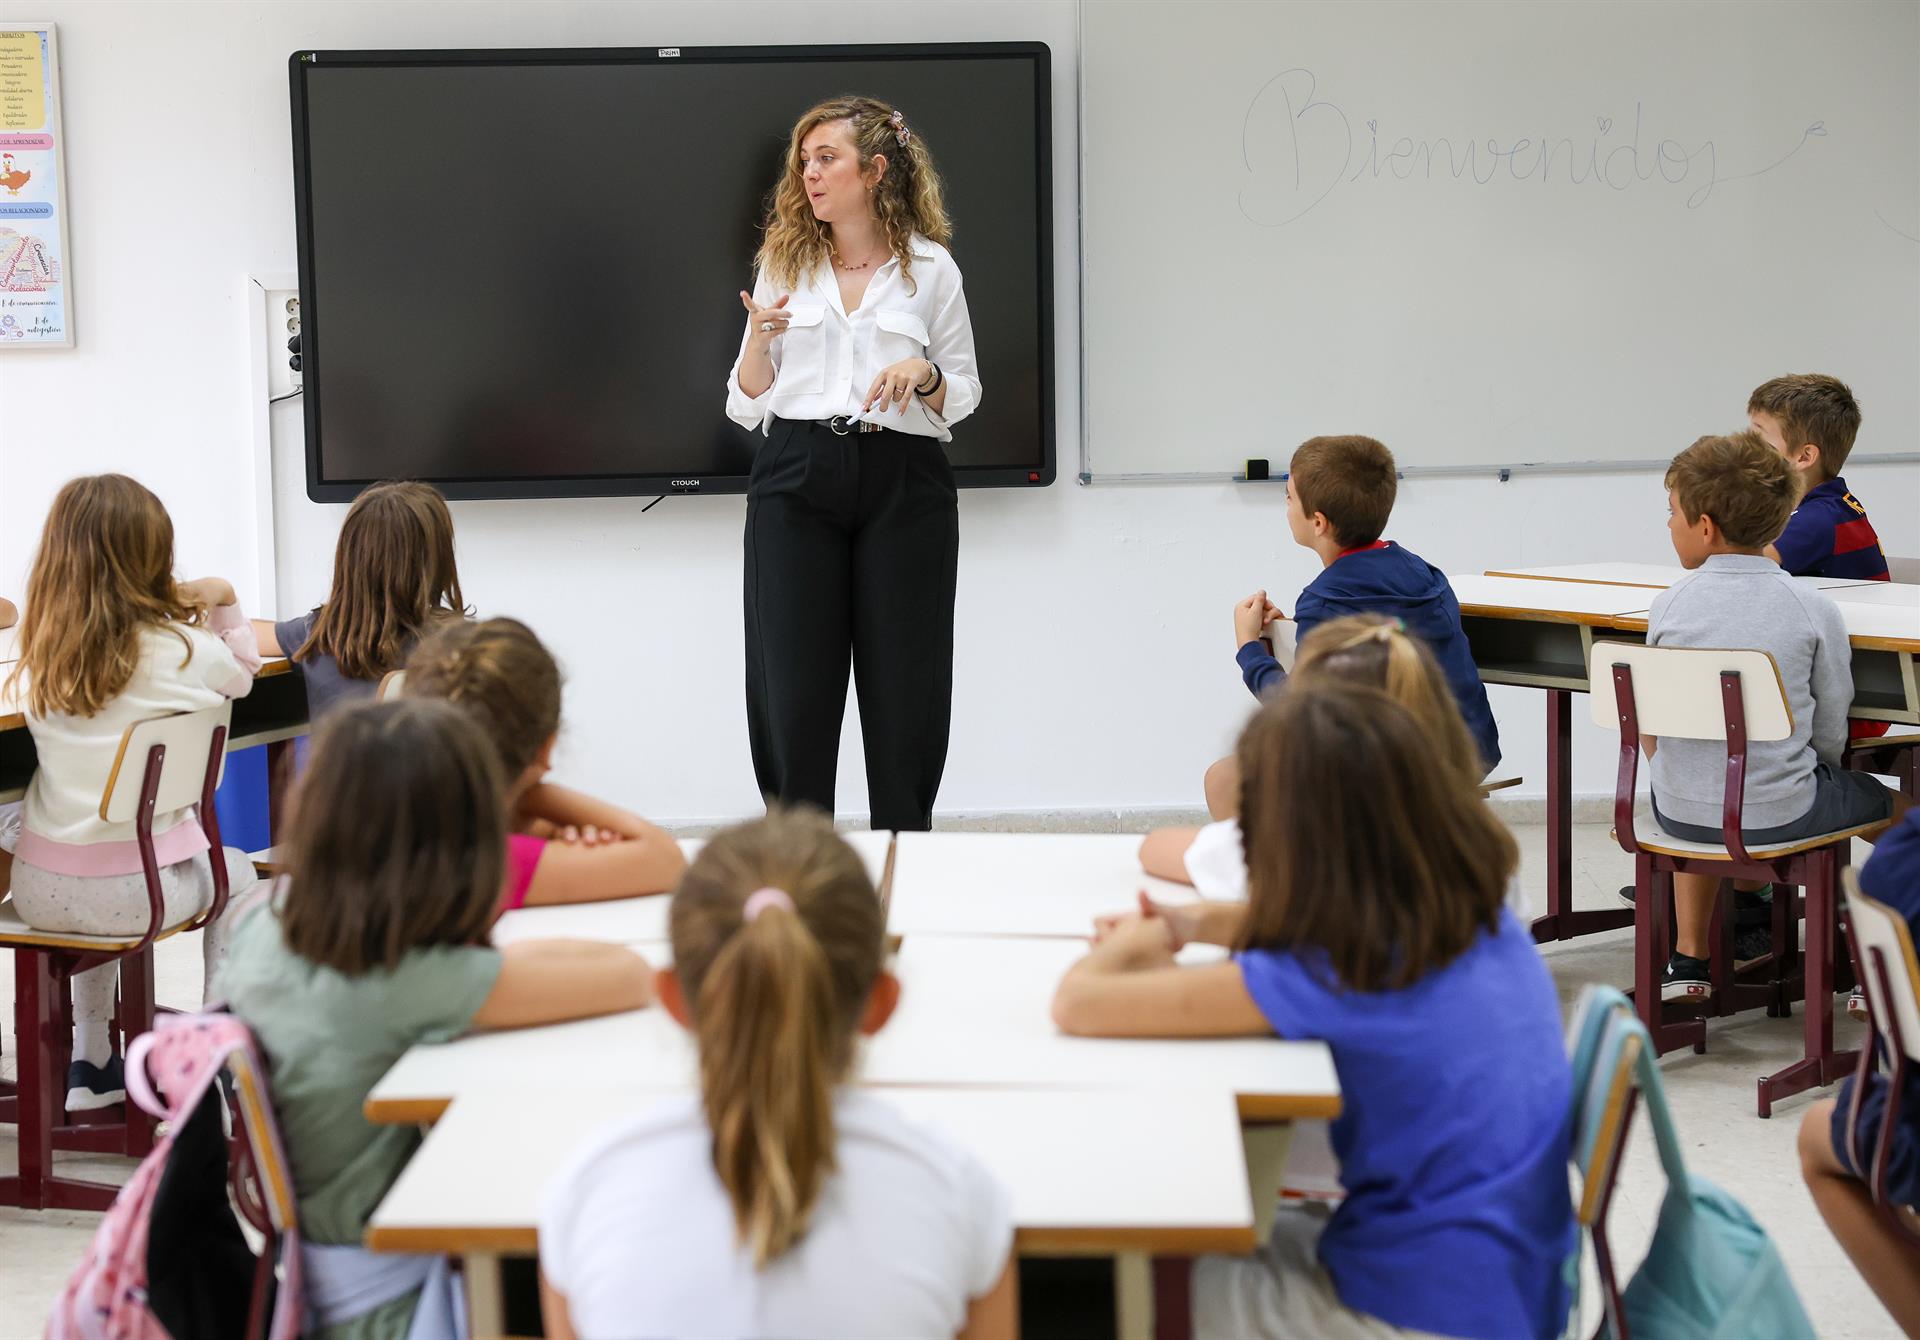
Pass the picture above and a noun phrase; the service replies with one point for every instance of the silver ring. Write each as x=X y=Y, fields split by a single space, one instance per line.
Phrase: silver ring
x=766 y=325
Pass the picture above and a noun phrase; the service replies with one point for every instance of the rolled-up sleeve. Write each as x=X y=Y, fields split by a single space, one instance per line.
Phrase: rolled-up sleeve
x=751 y=411
x=950 y=346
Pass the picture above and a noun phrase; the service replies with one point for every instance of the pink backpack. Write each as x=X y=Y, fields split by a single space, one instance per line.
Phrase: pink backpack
x=169 y=1072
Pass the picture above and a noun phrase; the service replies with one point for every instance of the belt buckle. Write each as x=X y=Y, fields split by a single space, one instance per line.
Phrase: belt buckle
x=841 y=425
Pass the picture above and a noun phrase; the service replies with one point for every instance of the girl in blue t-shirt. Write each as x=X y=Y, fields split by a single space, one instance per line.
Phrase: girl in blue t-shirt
x=1376 y=923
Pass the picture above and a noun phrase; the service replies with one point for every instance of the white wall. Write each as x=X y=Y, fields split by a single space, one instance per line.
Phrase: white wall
x=1094 y=645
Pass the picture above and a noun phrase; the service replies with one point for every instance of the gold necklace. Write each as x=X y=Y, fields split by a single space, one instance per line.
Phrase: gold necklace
x=835 y=253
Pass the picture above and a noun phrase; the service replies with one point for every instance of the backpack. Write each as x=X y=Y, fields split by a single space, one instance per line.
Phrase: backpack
x=169 y=1261
x=1711 y=1272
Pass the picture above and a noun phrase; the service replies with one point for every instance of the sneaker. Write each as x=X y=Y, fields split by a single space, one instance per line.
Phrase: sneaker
x=1857 y=1005
x=1750 y=945
x=1626 y=894
x=1686 y=978
x=91 y=1087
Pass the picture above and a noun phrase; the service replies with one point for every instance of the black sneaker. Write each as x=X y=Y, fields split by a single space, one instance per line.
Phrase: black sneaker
x=1750 y=945
x=1686 y=978
x=91 y=1087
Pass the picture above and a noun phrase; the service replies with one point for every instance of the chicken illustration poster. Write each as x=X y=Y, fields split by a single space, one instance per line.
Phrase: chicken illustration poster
x=35 y=310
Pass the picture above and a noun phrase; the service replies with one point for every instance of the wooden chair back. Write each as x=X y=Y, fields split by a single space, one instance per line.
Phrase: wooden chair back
x=1680 y=691
x=1881 y=936
x=193 y=749
x=392 y=685
x=1604 y=1046
x=1883 y=954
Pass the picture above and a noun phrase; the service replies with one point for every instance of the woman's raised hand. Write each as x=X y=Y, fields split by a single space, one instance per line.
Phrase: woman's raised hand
x=763 y=323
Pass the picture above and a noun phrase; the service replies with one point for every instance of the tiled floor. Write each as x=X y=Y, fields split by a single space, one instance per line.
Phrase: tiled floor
x=1712 y=1098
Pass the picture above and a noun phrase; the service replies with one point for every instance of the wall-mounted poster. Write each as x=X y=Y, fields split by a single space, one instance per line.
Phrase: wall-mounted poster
x=36 y=308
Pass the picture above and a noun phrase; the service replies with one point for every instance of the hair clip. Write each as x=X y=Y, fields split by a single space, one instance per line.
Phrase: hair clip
x=900 y=131
x=761 y=899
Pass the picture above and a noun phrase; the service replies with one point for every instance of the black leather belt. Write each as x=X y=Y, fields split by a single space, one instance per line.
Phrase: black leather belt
x=841 y=425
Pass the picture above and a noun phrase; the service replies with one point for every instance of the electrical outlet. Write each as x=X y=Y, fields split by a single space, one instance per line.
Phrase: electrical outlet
x=283 y=342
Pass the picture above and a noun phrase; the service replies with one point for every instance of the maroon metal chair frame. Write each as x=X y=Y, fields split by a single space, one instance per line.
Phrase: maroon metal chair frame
x=43 y=1024
x=1613 y=1311
x=1900 y=1217
x=1788 y=974
x=243 y=1181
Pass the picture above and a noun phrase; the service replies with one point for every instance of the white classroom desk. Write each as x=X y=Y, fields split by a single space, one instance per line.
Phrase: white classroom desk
x=1025 y=884
x=1087 y=1174
x=642 y=922
x=978 y=1010
x=1653 y=575
x=1898 y=595
x=973 y=1011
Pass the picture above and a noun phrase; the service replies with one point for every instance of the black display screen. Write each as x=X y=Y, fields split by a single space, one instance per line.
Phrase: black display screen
x=519 y=270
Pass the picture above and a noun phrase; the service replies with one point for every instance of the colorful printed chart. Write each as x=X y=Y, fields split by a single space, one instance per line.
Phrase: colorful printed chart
x=35 y=308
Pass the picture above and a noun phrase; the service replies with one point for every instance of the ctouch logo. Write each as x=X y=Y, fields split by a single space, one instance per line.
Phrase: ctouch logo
x=685 y=483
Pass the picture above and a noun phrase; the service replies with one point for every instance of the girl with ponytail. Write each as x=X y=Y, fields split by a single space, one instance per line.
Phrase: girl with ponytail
x=780 y=1202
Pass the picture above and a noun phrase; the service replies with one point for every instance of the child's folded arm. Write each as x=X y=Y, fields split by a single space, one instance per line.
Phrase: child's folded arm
x=1258 y=669
x=1163 y=853
x=578 y=874
x=544 y=981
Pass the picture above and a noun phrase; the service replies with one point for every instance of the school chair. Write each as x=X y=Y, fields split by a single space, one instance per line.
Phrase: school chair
x=261 y=1181
x=1604 y=1048
x=1883 y=951
x=164 y=763
x=1710 y=1268
x=1735 y=697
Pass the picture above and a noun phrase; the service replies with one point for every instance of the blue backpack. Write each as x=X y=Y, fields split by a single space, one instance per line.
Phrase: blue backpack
x=1711 y=1272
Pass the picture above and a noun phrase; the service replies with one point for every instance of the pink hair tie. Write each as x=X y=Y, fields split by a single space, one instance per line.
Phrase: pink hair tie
x=761 y=899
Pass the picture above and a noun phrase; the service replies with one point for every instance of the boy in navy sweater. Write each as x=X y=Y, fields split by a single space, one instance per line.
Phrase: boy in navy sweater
x=1812 y=420
x=1340 y=491
x=1886 y=1259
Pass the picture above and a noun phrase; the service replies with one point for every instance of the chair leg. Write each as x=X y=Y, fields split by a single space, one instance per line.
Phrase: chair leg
x=1820 y=1064
x=136 y=1017
x=1653 y=892
x=34 y=988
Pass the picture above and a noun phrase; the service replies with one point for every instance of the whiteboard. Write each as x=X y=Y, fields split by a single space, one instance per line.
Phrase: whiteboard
x=1491 y=234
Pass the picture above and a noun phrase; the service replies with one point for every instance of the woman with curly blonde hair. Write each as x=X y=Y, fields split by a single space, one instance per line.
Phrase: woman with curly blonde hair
x=856 y=362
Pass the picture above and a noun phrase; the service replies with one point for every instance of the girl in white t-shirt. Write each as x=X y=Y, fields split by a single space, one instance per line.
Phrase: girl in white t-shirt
x=779 y=1202
x=109 y=639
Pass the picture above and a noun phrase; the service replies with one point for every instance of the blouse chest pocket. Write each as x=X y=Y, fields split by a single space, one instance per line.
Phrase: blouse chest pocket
x=898 y=335
x=803 y=351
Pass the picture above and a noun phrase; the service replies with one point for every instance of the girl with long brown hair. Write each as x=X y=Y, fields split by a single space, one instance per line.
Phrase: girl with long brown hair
x=780 y=1202
x=565 y=847
x=111 y=638
x=856 y=362
x=1375 y=923
x=394 y=579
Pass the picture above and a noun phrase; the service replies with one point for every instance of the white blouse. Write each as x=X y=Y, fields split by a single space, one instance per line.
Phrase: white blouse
x=826 y=359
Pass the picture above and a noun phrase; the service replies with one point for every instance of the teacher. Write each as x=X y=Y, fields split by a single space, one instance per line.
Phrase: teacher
x=856 y=362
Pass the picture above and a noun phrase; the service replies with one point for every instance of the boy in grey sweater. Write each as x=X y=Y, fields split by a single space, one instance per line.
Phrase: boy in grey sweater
x=1727 y=498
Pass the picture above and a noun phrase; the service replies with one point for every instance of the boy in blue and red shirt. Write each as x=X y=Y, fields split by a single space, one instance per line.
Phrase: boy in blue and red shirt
x=1812 y=419
x=1340 y=492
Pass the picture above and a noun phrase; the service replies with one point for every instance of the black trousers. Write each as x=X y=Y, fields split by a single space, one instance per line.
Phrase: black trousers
x=851 y=548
